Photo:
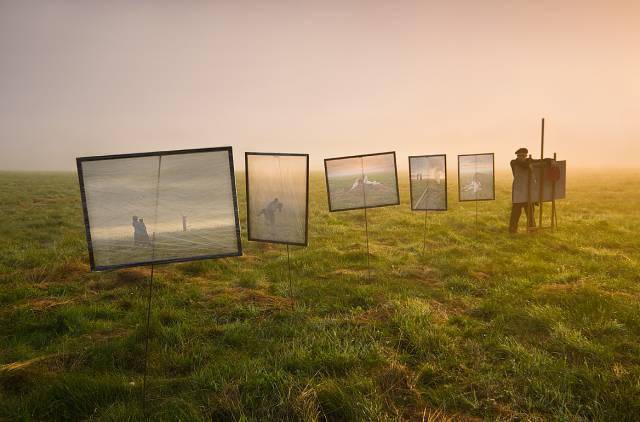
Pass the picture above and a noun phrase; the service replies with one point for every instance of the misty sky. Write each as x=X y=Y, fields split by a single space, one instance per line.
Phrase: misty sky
x=326 y=78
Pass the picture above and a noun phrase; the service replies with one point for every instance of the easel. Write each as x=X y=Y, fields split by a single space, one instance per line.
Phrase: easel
x=541 y=180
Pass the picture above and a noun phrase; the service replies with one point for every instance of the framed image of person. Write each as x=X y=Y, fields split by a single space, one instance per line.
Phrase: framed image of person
x=428 y=182
x=277 y=197
x=476 y=177
x=159 y=207
x=362 y=181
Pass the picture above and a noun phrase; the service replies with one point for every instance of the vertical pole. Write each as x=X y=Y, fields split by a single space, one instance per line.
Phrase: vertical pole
x=424 y=240
x=530 y=208
x=366 y=222
x=146 y=345
x=476 y=215
x=475 y=176
x=153 y=257
x=366 y=230
x=554 y=219
x=290 y=282
x=541 y=181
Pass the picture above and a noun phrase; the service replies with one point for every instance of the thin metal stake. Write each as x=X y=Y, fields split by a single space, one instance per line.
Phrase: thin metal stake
x=153 y=257
x=476 y=189
x=366 y=222
x=366 y=230
x=541 y=182
x=476 y=216
x=424 y=240
x=290 y=282
x=146 y=346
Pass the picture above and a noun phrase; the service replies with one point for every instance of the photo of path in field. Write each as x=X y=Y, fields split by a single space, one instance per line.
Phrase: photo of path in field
x=476 y=177
x=364 y=181
x=158 y=208
x=428 y=181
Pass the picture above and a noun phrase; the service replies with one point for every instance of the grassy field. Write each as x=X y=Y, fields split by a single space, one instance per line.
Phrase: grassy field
x=484 y=325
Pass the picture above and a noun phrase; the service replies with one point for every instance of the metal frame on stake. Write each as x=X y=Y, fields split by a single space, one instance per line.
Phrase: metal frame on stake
x=306 y=223
x=85 y=209
x=415 y=204
x=153 y=262
x=493 y=190
x=366 y=223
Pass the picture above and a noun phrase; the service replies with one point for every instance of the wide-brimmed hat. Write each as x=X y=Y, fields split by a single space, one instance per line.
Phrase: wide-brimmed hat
x=522 y=151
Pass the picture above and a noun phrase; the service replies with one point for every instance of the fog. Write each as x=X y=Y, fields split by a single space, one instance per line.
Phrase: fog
x=324 y=78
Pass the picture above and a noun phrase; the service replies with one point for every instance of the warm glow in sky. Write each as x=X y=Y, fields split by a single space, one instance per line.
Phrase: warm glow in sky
x=328 y=78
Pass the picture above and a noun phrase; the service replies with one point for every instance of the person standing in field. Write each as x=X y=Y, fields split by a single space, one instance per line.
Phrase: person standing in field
x=520 y=167
x=137 y=235
x=144 y=236
x=522 y=171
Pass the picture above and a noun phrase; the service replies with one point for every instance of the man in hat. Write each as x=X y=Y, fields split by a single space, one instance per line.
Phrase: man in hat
x=521 y=167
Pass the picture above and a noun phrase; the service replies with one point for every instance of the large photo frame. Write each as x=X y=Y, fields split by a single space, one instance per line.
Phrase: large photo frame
x=159 y=207
x=362 y=181
x=476 y=177
x=428 y=182
x=277 y=186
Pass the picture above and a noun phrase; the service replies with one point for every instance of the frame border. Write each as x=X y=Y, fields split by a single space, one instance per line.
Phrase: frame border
x=85 y=210
x=446 y=186
x=306 y=219
x=493 y=162
x=326 y=178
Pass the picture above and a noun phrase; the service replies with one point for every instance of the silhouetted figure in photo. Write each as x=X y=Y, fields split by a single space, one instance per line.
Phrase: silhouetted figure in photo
x=184 y=223
x=270 y=211
x=144 y=236
x=136 y=230
x=140 y=235
x=521 y=168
